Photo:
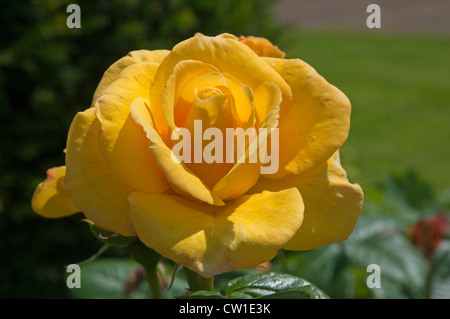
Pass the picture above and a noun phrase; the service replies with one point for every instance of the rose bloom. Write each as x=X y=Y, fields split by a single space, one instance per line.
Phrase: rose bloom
x=209 y=217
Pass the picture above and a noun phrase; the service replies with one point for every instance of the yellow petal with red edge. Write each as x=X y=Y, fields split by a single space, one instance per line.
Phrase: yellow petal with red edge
x=176 y=173
x=122 y=142
x=51 y=198
x=92 y=185
x=332 y=204
x=317 y=121
x=113 y=72
x=212 y=240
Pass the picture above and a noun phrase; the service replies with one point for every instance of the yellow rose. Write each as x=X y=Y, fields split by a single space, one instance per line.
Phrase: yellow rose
x=210 y=217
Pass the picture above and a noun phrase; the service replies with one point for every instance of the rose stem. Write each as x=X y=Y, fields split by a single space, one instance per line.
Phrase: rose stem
x=197 y=282
x=148 y=258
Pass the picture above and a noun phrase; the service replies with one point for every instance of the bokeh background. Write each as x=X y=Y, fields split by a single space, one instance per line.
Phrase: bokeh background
x=397 y=78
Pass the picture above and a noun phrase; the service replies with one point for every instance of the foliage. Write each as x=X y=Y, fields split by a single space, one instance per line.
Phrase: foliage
x=271 y=285
x=381 y=237
x=109 y=278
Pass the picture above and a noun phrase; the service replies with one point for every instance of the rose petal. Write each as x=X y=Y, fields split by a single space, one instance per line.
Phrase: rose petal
x=120 y=136
x=245 y=174
x=267 y=99
x=183 y=180
x=242 y=102
x=211 y=240
x=113 y=72
x=332 y=204
x=183 y=73
x=51 y=198
x=227 y=55
x=213 y=112
x=92 y=185
x=262 y=47
x=317 y=122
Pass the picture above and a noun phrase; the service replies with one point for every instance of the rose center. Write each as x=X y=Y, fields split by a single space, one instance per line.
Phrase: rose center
x=208 y=92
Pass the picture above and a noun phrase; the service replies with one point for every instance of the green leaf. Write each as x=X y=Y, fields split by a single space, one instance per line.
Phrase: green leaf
x=400 y=262
x=412 y=189
x=271 y=285
x=441 y=260
x=105 y=279
x=369 y=227
x=306 y=264
x=441 y=289
x=239 y=295
x=440 y=286
x=340 y=269
x=204 y=294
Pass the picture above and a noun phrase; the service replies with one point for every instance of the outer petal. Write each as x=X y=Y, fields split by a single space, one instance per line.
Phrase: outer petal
x=262 y=46
x=317 y=122
x=177 y=174
x=332 y=204
x=51 y=198
x=92 y=185
x=122 y=141
x=211 y=240
x=113 y=72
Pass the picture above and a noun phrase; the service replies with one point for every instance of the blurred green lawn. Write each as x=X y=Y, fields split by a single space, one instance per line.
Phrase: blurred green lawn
x=400 y=92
